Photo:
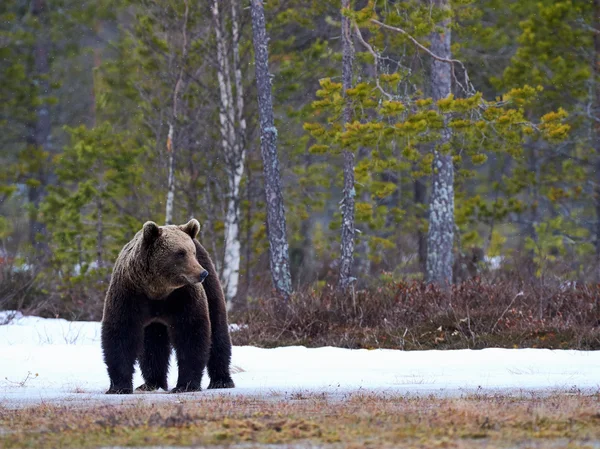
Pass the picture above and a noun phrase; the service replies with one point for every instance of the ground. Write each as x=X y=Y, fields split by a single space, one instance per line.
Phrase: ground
x=353 y=420
x=52 y=378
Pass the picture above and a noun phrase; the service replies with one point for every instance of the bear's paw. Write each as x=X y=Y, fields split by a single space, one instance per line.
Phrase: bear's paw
x=221 y=383
x=123 y=390
x=147 y=387
x=186 y=389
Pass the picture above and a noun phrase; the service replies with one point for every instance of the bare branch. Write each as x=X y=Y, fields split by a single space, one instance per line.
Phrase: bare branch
x=376 y=59
x=589 y=114
x=467 y=87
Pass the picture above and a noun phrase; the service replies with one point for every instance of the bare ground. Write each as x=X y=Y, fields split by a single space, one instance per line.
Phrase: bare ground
x=529 y=420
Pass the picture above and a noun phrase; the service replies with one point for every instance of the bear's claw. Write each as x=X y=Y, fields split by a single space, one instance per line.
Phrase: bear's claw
x=146 y=387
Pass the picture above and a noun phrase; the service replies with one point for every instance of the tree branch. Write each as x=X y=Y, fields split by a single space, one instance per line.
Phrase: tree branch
x=376 y=58
x=467 y=88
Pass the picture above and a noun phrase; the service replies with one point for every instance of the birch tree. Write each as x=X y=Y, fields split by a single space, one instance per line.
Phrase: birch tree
x=173 y=122
x=276 y=227
x=349 y=193
x=233 y=136
x=440 y=236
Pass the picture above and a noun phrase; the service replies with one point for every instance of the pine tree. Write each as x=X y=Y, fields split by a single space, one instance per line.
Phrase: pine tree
x=84 y=211
x=349 y=192
x=276 y=228
x=390 y=116
x=440 y=239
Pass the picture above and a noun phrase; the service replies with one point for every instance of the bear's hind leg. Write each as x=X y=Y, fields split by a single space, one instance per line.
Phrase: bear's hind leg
x=154 y=359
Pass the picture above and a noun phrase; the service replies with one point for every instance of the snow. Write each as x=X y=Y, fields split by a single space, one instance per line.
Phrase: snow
x=45 y=360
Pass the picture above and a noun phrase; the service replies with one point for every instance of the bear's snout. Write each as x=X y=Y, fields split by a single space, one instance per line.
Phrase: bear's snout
x=203 y=276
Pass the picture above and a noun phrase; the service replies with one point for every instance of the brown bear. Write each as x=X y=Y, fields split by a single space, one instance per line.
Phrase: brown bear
x=165 y=292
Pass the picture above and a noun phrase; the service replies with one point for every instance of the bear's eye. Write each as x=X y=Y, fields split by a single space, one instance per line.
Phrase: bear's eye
x=180 y=254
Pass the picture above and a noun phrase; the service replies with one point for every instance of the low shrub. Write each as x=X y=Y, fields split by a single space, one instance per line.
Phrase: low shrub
x=414 y=315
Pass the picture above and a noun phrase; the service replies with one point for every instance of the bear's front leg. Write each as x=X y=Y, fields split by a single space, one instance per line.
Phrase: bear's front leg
x=191 y=343
x=121 y=344
x=154 y=359
x=190 y=334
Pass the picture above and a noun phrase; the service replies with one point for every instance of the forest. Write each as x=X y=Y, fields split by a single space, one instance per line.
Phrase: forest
x=348 y=158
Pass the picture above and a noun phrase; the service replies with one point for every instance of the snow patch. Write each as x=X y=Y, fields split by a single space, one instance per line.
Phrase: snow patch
x=67 y=359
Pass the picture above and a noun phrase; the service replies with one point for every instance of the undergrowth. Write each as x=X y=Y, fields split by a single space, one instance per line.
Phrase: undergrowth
x=414 y=315
x=512 y=309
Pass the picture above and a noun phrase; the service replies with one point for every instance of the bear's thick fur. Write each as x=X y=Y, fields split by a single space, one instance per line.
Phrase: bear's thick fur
x=156 y=300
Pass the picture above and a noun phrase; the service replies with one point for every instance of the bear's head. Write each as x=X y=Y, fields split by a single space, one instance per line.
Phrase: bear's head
x=170 y=255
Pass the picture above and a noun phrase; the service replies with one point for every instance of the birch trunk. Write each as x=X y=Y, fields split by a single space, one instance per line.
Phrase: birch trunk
x=230 y=114
x=231 y=262
x=238 y=81
x=276 y=227
x=171 y=177
x=171 y=136
x=441 y=206
x=349 y=193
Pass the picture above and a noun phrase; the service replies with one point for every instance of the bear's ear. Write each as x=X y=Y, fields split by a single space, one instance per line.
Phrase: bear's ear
x=191 y=228
x=151 y=231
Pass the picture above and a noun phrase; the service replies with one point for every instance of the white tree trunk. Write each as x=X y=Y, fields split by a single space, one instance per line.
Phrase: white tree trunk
x=171 y=135
x=231 y=265
x=238 y=83
x=171 y=178
x=233 y=145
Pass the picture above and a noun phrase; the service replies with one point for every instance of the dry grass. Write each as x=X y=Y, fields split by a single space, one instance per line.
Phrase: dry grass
x=474 y=314
x=558 y=420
